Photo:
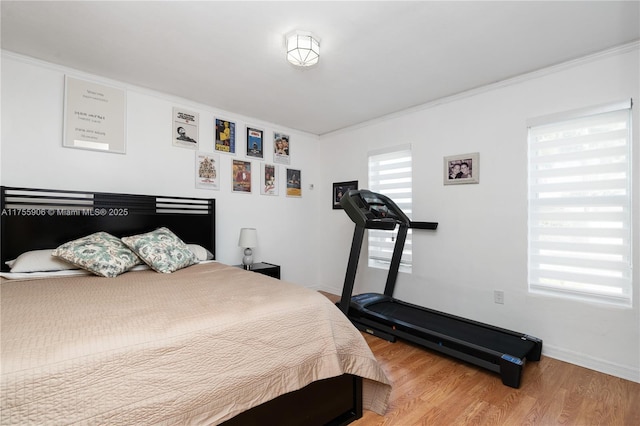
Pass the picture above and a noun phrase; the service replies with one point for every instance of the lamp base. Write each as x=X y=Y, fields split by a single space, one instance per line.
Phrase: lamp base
x=247 y=260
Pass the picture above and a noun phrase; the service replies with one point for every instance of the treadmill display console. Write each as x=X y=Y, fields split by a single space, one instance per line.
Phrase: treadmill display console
x=372 y=210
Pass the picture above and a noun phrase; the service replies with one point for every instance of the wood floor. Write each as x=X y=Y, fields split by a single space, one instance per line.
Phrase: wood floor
x=432 y=389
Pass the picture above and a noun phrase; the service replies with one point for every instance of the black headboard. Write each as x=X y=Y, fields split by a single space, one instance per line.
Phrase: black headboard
x=45 y=218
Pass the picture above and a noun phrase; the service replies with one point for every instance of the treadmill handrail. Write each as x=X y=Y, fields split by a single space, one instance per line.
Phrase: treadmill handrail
x=424 y=225
x=386 y=224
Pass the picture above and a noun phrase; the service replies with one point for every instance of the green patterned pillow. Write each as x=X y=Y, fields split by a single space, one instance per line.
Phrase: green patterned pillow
x=162 y=250
x=100 y=253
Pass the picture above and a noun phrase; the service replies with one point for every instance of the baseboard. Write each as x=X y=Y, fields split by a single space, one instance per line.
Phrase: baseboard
x=598 y=364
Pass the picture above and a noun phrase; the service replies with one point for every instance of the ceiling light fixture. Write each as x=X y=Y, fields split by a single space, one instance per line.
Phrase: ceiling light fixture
x=303 y=48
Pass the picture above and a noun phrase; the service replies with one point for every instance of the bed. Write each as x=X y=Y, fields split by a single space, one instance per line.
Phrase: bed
x=205 y=344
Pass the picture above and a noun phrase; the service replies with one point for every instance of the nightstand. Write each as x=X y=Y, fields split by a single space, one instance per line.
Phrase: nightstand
x=264 y=268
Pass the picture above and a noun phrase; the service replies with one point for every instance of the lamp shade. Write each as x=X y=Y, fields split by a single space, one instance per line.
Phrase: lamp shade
x=248 y=238
x=303 y=48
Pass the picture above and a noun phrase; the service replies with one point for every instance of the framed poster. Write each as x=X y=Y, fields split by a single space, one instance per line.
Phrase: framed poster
x=185 y=128
x=461 y=169
x=339 y=189
x=241 y=176
x=294 y=183
x=255 y=142
x=268 y=179
x=207 y=170
x=281 y=145
x=94 y=116
x=225 y=135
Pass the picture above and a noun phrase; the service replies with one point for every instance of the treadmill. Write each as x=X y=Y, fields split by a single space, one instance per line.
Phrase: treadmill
x=499 y=350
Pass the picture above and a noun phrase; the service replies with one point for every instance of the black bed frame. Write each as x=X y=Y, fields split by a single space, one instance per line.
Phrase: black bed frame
x=42 y=218
x=33 y=219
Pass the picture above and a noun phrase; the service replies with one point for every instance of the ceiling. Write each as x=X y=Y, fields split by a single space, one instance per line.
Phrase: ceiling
x=377 y=57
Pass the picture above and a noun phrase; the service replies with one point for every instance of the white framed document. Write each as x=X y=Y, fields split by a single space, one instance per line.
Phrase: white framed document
x=94 y=116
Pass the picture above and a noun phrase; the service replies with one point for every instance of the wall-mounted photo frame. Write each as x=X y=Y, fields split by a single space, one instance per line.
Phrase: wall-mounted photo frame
x=94 y=116
x=281 y=148
x=207 y=170
x=339 y=189
x=225 y=134
x=241 y=178
x=185 y=128
x=294 y=183
x=255 y=142
x=461 y=169
x=268 y=179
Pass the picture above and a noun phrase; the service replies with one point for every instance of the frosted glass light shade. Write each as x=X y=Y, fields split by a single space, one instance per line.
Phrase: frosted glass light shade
x=303 y=48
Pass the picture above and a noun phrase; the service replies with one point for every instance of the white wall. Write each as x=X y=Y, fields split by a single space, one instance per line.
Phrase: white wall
x=481 y=243
x=33 y=156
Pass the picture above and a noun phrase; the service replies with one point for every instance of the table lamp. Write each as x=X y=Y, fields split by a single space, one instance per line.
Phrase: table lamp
x=248 y=240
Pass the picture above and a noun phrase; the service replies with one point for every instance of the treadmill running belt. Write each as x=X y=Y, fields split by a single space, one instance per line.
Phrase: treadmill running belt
x=471 y=333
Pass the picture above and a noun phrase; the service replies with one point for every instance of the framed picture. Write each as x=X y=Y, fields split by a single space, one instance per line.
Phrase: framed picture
x=461 y=169
x=207 y=170
x=185 y=128
x=294 y=183
x=255 y=142
x=339 y=189
x=225 y=136
x=281 y=146
x=94 y=116
x=268 y=179
x=241 y=176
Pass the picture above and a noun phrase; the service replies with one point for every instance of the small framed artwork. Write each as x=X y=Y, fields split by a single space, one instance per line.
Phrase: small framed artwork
x=225 y=136
x=185 y=128
x=341 y=188
x=241 y=176
x=255 y=142
x=281 y=146
x=207 y=175
x=294 y=183
x=268 y=179
x=461 y=169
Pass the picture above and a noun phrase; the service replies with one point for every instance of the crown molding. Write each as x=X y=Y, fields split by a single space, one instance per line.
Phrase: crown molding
x=532 y=75
x=187 y=103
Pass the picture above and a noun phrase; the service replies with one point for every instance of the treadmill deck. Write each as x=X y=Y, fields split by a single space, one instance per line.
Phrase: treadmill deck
x=397 y=312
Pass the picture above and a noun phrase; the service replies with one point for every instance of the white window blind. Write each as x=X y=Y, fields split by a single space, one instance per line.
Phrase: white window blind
x=390 y=174
x=580 y=204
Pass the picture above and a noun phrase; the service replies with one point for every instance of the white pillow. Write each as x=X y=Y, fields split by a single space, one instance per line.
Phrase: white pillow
x=39 y=261
x=200 y=252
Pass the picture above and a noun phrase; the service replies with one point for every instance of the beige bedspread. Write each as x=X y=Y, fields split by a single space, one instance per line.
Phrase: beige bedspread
x=194 y=347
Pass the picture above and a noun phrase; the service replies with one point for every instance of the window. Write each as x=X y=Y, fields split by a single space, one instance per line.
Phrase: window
x=390 y=175
x=580 y=204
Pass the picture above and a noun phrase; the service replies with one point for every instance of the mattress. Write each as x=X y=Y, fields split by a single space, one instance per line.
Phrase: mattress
x=197 y=346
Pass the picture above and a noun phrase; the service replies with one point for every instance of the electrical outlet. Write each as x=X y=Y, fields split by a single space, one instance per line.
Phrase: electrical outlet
x=498 y=297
